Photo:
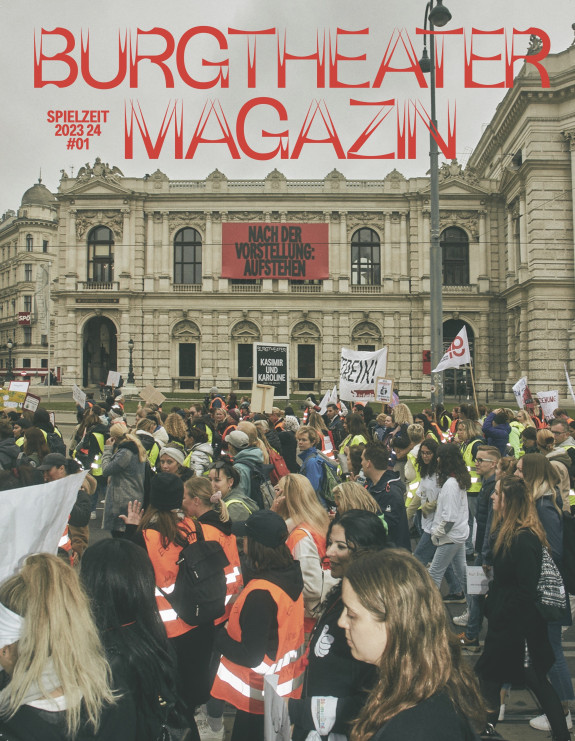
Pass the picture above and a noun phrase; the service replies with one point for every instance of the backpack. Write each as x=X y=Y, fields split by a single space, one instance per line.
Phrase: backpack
x=568 y=563
x=199 y=594
x=55 y=443
x=279 y=469
x=329 y=481
x=261 y=488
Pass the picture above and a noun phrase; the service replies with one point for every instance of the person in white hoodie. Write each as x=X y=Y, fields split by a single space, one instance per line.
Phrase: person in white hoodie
x=450 y=527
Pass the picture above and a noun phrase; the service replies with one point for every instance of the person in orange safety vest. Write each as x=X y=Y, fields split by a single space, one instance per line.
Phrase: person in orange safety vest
x=265 y=632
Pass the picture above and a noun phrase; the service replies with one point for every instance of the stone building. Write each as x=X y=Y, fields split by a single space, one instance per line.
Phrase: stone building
x=144 y=258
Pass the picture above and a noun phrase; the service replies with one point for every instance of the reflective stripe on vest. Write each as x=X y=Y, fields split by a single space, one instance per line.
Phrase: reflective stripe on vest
x=153 y=453
x=97 y=462
x=413 y=485
x=243 y=687
x=466 y=451
x=165 y=571
x=234 y=580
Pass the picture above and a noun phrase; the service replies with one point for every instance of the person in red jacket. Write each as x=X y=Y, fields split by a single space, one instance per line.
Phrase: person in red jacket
x=265 y=632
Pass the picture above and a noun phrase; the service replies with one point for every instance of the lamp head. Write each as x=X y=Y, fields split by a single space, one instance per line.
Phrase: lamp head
x=425 y=62
x=9 y=344
x=131 y=344
x=439 y=15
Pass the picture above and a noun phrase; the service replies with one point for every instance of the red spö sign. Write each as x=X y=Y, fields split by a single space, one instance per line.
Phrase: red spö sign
x=285 y=251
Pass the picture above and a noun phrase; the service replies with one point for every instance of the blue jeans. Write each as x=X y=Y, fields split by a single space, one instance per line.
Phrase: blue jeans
x=450 y=553
x=559 y=674
x=425 y=552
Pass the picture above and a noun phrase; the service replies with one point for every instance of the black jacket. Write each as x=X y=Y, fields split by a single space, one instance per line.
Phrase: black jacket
x=333 y=672
x=389 y=493
x=9 y=452
x=484 y=506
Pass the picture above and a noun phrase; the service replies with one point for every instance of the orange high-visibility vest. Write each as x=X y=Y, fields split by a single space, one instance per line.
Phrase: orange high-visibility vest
x=234 y=579
x=243 y=687
x=166 y=570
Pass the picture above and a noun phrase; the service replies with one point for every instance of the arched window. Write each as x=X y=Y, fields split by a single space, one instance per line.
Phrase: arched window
x=29 y=243
x=455 y=257
x=188 y=257
x=100 y=255
x=365 y=258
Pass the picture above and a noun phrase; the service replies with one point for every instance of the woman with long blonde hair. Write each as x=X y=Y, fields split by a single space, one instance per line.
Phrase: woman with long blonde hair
x=351 y=495
x=60 y=681
x=394 y=618
x=307 y=523
x=124 y=462
x=511 y=607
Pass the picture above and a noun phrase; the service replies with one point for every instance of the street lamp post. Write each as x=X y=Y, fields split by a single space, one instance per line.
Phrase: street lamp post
x=10 y=374
x=131 y=379
x=438 y=15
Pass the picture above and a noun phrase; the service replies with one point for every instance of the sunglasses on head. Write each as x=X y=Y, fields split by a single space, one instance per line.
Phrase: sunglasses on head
x=217 y=465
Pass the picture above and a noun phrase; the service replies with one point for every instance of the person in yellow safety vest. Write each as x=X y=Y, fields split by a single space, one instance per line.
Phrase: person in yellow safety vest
x=201 y=454
x=51 y=432
x=265 y=634
x=415 y=433
x=89 y=452
x=357 y=433
x=18 y=428
x=444 y=422
x=515 y=433
x=145 y=431
x=470 y=438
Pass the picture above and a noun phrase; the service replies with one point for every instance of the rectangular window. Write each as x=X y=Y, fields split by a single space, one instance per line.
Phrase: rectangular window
x=306 y=366
x=26 y=363
x=187 y=366
x=27 y=303
x=245 y=365
x=45 y=245
x=366 y=348
x=29 y=243
x=44 y=340
x=27 y=335
x=28 y=272
x=44 y=363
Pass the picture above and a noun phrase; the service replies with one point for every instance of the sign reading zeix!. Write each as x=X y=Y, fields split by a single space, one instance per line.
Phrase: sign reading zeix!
x=288 y=251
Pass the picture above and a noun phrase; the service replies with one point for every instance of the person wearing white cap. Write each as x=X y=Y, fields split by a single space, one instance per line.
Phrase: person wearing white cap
x=172 y=460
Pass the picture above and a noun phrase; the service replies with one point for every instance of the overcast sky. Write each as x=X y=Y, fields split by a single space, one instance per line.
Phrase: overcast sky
x=28 y=142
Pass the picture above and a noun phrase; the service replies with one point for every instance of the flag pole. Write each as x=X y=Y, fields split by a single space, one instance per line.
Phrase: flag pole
x=473 y=387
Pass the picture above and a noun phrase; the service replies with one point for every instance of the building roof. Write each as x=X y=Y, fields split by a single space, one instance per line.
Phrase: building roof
x=38 y=195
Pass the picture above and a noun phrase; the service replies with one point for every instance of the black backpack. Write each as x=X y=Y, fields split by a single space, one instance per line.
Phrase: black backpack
x=199 y=594
x=261 y=487
x=55 y=443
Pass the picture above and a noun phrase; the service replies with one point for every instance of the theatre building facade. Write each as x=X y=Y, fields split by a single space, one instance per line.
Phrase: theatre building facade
x=195 y=272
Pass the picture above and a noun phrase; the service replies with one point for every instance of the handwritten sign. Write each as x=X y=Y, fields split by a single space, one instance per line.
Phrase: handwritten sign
x=358 y=371
x=384 y=390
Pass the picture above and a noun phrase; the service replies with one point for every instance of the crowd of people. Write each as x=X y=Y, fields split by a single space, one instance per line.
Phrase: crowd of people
x=341 y=537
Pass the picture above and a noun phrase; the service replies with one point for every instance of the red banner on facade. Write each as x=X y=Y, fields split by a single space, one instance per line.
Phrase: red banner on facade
x=285 y=251
x=24 y=317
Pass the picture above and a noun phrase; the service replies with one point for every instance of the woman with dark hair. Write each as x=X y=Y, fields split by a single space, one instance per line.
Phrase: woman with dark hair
x=335 y=683
x=119 y=580
x=428 y=430
x=225 y=478
x=200 y=452
x=52 y=434
x=395 y=620
x=265 y=631
x=35 y=446
x=357 y=432
x=510 y=606
x=164 y=531
x=450 y=527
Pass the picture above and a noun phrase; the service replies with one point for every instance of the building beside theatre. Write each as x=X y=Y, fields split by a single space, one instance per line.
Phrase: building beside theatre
x=196 y=271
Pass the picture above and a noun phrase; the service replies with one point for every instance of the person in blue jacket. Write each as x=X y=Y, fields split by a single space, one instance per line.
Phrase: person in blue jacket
x=496 y=429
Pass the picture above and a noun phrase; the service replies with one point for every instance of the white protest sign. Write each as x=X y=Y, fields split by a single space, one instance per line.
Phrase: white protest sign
x=21 y=386
x=33 y=518
x=549 y=401
x=113 y=378
x=152 y=396
x=569 y=382
x=358 y=371
x=477 y=581
x=383 y=390
x=79 y=396
x=519 y=390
